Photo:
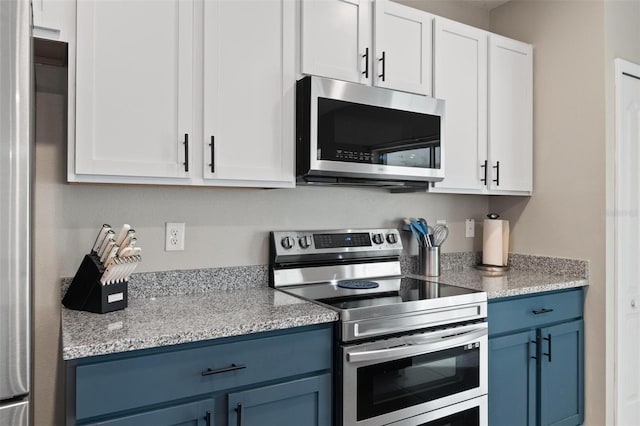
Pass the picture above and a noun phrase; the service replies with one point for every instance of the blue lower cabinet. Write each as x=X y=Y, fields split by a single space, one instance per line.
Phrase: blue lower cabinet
x=561 y=374
x=536 y=368
x=512 y=380
x=303 y=402
x=194 y=384
x=189 y=414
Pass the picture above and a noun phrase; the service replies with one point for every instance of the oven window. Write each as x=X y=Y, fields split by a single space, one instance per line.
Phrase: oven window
x=355 y=133
x=394 y=385
x=470 y=417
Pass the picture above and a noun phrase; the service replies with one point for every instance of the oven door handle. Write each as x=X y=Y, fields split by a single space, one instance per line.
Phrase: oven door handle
x=416 y=346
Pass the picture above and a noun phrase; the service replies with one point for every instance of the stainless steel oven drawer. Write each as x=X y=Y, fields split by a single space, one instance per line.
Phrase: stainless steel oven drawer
x=473 y=412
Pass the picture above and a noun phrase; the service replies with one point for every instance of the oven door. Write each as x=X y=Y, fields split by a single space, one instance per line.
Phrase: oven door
x=468 y=413
x=393 y=379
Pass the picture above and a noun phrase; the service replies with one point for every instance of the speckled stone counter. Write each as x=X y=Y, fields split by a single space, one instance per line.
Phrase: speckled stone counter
x=169 y=320
x=172 y=307
x=527 y=274
x=513 y=283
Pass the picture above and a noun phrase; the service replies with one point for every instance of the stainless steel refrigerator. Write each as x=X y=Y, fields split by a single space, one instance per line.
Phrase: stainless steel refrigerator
x=16 y=93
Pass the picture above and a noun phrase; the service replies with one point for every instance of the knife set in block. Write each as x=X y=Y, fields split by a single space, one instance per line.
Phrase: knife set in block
x=100 y=285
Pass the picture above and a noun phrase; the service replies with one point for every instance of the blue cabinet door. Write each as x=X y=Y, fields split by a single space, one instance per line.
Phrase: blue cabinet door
x=512 y=379
x=304 y=402
x=562 y=374
x=189 y=414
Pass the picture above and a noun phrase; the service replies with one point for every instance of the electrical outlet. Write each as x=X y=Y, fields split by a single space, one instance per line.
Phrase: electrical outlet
x=470 y=228
x=441 y=222
x=174 y=236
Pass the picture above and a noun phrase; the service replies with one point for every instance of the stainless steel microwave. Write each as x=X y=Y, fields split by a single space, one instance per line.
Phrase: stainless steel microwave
x=353 y=134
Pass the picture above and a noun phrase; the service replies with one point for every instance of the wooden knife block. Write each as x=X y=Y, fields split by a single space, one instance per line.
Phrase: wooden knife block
x=86 y=292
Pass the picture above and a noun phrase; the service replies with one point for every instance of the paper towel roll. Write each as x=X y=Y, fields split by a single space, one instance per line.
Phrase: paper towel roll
x=495 y=242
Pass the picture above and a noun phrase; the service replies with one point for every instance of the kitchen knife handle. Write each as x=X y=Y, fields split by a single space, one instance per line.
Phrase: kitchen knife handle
x=497 y=179
x=383 y=61
x=232 y=367
x=548 y=339
x=366 y=63
x=541 y=311
x=239 y=414
x=484 y=167
x=186 y=152
x=212 y=147
x=207 y=418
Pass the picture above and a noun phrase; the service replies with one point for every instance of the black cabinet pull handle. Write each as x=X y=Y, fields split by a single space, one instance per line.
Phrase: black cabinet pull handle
x=239 y=414
x=497 y=179
x=207 y=418
x=541 y=311
x=484 y=167
x=366 y=63
x=535 y=342
x=186 y=152
x=212 y=146
x=232 y=367
x=548 y=339
x=383 y=61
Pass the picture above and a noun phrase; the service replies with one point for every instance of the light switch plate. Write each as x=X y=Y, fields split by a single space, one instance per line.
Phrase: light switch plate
x=470 y=228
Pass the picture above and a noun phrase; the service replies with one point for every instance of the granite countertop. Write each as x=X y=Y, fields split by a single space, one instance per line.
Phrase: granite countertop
x=173 y=307
x=512 y=283
x=168 y=320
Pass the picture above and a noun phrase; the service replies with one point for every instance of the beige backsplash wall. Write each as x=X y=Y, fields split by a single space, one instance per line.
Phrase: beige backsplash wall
x=566 y=215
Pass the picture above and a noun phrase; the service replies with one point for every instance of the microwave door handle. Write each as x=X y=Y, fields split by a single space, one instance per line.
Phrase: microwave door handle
x=415 y=347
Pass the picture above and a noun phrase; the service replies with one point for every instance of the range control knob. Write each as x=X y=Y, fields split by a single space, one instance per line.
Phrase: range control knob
x=377 y=238
x=392 y=238
x=304 y=241
x=287 y=242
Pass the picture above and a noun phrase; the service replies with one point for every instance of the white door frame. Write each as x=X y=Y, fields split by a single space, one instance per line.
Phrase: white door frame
x=615 y=217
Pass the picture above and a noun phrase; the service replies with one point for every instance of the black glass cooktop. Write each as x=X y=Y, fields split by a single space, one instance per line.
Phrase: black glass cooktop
x=409 y=290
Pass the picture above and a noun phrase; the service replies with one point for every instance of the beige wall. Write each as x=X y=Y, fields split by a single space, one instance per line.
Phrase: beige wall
x=622 y=40
x=468 y=12
x=224 y=227
x=566 y=214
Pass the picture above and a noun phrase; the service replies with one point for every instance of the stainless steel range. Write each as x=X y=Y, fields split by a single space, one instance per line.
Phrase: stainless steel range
x=409 y=351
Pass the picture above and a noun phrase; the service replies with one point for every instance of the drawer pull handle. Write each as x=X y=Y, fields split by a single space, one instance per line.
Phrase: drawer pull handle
x=541 y=311
x=239 y=414
x=232 y=367
x=548 y=339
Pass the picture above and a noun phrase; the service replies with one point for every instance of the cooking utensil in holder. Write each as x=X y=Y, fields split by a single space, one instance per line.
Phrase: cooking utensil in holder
x=429 y=261
x=87 y=293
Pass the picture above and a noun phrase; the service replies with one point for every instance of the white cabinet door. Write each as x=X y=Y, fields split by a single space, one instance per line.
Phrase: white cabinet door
x=53 y=19
x=510 y=115
x=249 y=82
x=460 y=78
x=336 y=39
x=134 y=88
x=403 y=49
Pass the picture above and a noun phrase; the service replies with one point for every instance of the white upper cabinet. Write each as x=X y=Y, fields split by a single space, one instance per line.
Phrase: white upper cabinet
x=389 y=46
x=403 y=48
x=134 y=88
x=460 y=77
x=510 y=115
x=487 y=83
x=336 y=39
x=249 y=82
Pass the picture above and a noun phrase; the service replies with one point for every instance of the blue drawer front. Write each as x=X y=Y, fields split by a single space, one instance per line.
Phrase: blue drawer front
x=506 y=315
x=112 y=386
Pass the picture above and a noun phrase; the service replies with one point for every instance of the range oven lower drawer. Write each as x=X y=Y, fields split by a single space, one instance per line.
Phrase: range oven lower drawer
x=468 y=413
x=393 y=379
